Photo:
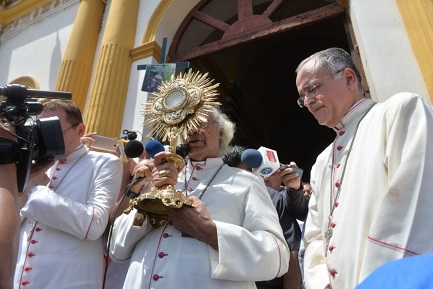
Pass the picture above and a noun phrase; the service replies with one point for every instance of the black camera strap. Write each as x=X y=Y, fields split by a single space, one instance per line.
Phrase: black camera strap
x=9 y=151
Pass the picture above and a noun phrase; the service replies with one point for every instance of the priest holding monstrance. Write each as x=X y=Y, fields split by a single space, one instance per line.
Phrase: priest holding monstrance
x=203 y=224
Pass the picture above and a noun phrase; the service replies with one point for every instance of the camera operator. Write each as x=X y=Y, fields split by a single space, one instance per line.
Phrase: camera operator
x=9 y=206
x=66 y=212
x=9 y=209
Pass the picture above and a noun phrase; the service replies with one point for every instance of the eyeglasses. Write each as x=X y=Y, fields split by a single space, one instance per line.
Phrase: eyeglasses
x=311 y=91
x=202 y=125
x=74 y=126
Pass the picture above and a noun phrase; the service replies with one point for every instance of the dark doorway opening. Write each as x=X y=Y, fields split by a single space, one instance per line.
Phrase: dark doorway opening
x=258 y=91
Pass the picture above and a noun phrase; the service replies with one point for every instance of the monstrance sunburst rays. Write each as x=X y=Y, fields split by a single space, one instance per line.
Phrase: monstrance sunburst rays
x=180 y=104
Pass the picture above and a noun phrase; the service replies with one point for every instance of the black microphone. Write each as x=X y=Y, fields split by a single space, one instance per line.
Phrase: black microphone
x=182 y=150
x=133 y=149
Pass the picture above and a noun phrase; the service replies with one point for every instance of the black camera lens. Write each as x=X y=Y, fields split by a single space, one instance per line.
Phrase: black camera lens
x=42 y=141
x=38 y=142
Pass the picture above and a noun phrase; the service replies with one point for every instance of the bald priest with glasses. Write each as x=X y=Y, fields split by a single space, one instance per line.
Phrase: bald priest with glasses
x=372 y=200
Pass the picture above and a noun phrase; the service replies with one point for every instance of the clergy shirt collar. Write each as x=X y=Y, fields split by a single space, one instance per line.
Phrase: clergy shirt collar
x=354 y=113
x=77 y=153
x=208 y=163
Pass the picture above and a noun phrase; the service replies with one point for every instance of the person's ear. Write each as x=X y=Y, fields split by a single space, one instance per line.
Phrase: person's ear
x=350 y=78
x=81 y=129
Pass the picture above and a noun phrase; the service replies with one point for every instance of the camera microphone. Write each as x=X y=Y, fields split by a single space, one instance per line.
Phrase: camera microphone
x=130 y=135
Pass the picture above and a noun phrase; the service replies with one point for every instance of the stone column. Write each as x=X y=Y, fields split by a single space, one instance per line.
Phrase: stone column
x=77 y=63
x=104 y=112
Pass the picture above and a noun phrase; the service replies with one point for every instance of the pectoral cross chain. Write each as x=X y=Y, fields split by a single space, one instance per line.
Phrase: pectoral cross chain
x=328 y=233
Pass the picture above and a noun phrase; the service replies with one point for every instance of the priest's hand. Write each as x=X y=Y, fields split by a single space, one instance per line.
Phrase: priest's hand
x=164 y=172
x=144 y=170
x=195 y=222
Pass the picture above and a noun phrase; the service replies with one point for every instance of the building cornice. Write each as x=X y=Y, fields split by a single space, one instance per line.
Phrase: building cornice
x=21 y=15
x=145 y=50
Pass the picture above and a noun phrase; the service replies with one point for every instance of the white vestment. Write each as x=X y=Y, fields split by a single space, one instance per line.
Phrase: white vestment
x=251 y=245
x=386 y=198
x=61 y=243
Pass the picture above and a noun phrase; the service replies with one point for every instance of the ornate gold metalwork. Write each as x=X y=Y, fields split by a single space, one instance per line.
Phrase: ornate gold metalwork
x=179 y=105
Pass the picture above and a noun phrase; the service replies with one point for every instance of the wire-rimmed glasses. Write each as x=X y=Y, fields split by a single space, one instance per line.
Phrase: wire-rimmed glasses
x=312 y=90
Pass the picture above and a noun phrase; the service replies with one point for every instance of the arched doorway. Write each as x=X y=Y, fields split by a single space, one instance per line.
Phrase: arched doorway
x=252 y=48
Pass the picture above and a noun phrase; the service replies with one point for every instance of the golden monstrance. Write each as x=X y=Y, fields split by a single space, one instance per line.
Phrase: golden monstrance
x=179 y=105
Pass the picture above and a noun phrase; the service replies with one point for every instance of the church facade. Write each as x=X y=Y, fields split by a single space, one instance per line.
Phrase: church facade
x=96 y=49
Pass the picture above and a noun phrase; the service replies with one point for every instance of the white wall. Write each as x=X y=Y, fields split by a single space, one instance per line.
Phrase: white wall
x=133 y=117
x=172 y=19
x=386 y=52
x=37 y=49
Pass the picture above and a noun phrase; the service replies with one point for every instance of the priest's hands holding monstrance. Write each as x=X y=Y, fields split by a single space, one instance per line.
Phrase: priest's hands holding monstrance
x=178 y=106
x=158 y=177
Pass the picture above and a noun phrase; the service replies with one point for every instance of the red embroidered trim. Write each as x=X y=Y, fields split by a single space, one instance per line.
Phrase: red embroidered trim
x=91 y=221
x=392 y=245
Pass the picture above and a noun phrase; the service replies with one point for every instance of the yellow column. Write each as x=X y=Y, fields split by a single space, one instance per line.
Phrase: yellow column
x=77 y=63
x=104 y=113
x=418 y=18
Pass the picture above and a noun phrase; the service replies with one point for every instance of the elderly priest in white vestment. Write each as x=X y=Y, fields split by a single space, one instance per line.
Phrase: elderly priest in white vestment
x=229 y=239
x=373 y=186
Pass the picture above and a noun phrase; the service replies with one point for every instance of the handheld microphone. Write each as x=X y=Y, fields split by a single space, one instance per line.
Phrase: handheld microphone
x=133 y=149
x=182 y=150
x=154 y=147
x=264 y=162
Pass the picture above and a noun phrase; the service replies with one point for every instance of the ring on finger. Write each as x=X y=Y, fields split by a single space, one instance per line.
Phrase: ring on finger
x=162 y=173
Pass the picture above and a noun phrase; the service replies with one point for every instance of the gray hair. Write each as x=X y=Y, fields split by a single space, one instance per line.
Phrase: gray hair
x=225 y=126
x=333 y=59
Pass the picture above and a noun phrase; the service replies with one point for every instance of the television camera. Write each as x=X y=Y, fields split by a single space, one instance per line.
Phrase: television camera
x=38 y=140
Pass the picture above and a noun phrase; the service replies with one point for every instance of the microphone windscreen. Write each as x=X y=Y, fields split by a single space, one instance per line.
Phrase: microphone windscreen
x=182 y=150
x=133 y=149
x=154 y=147
x=251 y=158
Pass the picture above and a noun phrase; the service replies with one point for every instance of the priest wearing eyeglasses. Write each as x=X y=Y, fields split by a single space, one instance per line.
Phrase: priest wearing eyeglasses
x=229 y=238
x=372 y=200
